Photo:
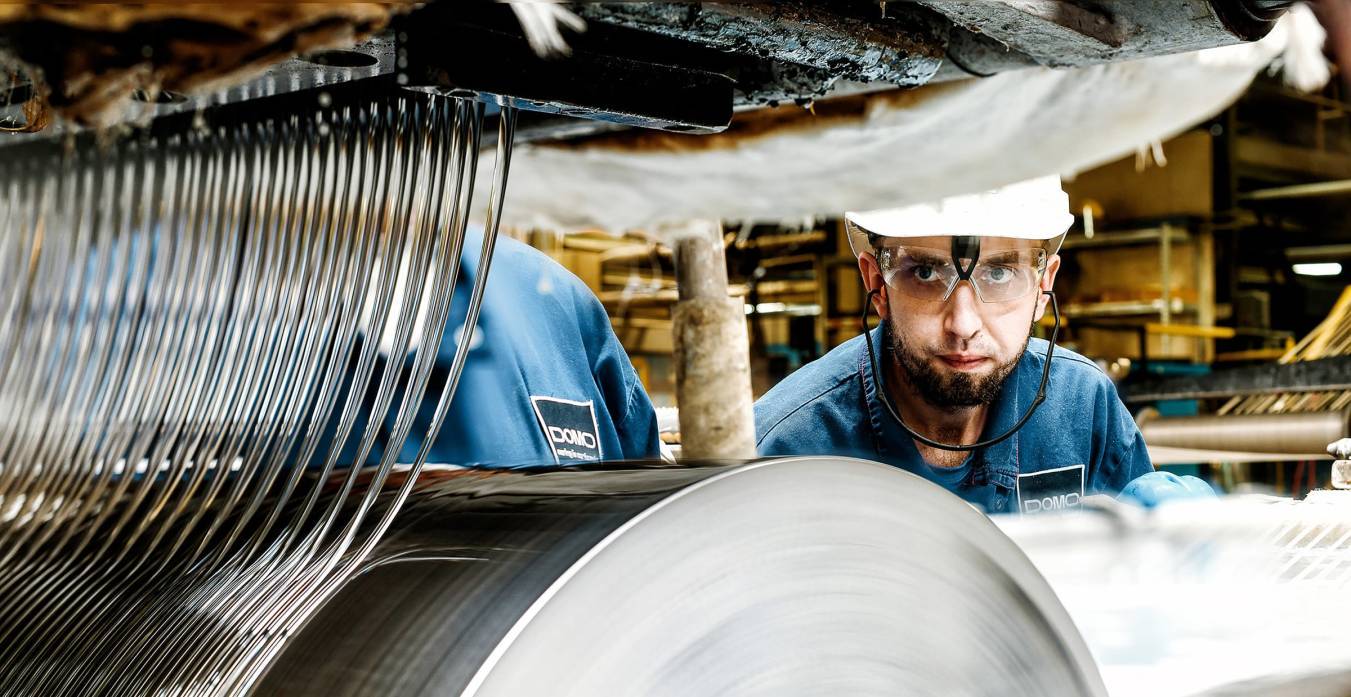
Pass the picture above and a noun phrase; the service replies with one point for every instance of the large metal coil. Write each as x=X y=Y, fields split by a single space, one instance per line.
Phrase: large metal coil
x=795 y=577
x=191 y=329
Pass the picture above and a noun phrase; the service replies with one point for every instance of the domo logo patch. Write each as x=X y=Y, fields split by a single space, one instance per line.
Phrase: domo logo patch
x=569 y=428
x=1058 y=489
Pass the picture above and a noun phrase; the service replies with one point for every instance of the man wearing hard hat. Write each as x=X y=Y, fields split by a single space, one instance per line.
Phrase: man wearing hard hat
x=949 y=385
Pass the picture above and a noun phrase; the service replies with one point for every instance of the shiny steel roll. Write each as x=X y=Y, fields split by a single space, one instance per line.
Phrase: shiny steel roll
x=1295 y=434
x=804 y=576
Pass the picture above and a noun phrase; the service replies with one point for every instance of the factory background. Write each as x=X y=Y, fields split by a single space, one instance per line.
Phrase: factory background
x=369 y=348
x=1225 y=246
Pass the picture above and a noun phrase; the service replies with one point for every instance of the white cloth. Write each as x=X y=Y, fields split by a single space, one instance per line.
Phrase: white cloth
x=906 y=147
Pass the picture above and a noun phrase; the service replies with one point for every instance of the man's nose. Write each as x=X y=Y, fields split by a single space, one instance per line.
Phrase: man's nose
x=962 y=312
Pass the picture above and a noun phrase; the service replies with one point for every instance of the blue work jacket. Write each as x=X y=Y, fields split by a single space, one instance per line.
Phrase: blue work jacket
x=546 y=380
x=1081 y=441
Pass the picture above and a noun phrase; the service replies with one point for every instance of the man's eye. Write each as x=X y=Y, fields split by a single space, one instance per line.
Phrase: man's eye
x=999 y=274
x=924 y=272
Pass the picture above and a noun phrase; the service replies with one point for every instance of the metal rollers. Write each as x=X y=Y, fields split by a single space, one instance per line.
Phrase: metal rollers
x=797 y=577
x=189 y=325
x=1295 y=434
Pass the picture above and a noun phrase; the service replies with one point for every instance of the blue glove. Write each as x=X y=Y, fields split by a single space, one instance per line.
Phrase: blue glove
x=1149 y=490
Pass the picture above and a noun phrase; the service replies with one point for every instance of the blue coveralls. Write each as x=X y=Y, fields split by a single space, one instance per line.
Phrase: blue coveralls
x=546 y=380
x=1081 y=441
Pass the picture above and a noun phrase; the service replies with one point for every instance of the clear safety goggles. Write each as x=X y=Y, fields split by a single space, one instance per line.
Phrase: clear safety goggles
x=996 y=276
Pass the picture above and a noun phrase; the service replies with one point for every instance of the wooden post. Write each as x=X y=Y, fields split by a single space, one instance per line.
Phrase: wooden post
x=713 y=377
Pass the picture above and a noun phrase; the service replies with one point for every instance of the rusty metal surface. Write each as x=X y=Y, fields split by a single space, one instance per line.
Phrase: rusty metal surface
x=313 y=73
x=849 y=40
x=685 y=66
x=1001 y=35
x=89 y=58
x=1053 y=33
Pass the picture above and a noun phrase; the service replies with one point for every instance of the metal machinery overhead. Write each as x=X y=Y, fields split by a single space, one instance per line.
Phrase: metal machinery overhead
x=681 y=67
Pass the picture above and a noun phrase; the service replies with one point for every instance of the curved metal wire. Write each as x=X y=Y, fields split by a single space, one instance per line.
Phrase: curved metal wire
x=202 y=341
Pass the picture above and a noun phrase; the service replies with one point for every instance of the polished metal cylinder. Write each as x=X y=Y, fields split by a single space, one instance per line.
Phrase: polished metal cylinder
x=805 y=576
x=1294 y=434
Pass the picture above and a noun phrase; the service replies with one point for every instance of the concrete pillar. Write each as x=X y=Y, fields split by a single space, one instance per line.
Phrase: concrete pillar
x=713 y=376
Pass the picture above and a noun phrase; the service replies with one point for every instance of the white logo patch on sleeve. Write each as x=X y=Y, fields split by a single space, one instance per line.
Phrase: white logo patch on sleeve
x=1058 y=489
x=570 y=429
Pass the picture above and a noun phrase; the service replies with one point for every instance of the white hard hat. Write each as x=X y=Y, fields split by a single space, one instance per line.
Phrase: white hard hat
x=1036 y=209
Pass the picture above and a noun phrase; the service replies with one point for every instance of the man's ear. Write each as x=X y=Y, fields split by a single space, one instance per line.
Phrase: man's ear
x=1047 y=283
x=872 y=280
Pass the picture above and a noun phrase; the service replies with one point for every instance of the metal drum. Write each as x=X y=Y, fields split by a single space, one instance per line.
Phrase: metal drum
x=802 y=576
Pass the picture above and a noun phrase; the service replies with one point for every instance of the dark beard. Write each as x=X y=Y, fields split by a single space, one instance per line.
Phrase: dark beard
x=957 y=391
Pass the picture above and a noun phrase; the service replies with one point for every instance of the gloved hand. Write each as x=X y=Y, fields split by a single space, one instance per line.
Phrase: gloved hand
x=1149 y=490
x=1341 y=469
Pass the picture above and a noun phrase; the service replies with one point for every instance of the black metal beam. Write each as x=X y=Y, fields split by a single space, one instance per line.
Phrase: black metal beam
x=479 y=50
x=1325 y=375
x=856 y=40
x=993 y=36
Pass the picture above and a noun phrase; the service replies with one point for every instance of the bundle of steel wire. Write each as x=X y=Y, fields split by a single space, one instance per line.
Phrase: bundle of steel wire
x=187 y=336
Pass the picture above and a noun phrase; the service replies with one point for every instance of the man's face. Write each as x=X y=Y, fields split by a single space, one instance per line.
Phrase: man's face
x=957 y=352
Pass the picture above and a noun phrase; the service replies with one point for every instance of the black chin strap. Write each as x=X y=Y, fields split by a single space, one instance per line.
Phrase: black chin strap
x=886 y=400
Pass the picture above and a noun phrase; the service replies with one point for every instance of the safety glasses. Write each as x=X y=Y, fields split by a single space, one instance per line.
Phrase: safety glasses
x=931 y=274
